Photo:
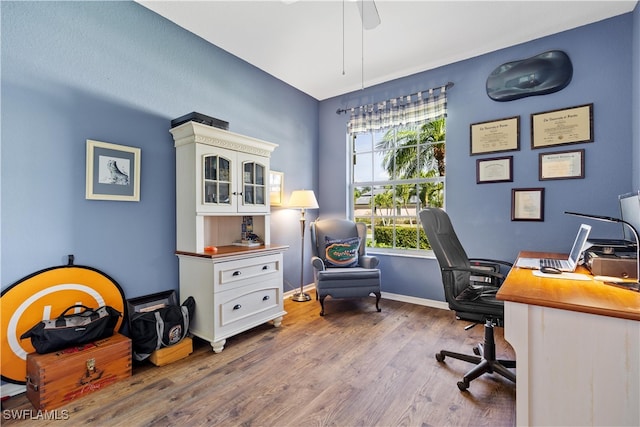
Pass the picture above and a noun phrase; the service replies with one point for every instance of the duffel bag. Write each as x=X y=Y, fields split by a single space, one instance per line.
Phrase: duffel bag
x=69 y=330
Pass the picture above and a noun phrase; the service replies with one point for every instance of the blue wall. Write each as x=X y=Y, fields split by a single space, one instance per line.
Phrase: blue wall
x=601 y=54
x=635 y=86
x=116 y=72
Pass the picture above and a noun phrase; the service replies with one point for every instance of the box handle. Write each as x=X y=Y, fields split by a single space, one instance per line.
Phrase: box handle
x=31 y=384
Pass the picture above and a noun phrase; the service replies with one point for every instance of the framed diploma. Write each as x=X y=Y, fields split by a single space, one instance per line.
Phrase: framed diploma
x=527 y=204
x=559 y=127
x=561 y=165
x=497 y=169
x=495 y=136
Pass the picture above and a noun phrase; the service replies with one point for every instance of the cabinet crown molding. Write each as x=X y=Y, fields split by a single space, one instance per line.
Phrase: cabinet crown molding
x=192 y=132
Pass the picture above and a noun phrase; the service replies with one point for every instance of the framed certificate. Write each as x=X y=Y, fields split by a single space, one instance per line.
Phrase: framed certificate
x=561 y=165
x=559 y=127
x=495 y=136
x=527 y=204
x=497 y=169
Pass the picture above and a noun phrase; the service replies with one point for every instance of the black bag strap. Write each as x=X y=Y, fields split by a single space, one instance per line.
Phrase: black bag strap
x=75 y=306
x=88 y=312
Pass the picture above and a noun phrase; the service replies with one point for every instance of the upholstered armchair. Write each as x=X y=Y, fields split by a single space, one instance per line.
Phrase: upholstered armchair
x=341 y=267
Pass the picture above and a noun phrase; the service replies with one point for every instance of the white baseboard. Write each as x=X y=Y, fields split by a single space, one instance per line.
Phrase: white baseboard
x=387 y=295
x=414 y=300
x=305 y=288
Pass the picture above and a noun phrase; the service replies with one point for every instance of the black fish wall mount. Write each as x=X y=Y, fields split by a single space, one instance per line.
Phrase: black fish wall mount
x=542 y=74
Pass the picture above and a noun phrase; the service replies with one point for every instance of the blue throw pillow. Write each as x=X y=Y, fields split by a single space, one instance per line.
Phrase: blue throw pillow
x=341 y=252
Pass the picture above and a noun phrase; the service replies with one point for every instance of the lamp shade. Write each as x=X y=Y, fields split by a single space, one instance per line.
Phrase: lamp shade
x=303 y=199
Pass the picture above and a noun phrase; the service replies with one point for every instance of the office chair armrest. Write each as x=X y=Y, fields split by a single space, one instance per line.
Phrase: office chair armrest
x=490 y=261
x=368 y=261
x=317 y=263
x=476 y=271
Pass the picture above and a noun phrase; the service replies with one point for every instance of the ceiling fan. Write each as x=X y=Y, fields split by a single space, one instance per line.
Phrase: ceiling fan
x=368 y=14
x=370 y=19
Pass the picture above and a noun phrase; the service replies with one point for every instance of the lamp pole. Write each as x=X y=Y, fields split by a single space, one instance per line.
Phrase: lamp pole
x=302 y=199
x=301 y=296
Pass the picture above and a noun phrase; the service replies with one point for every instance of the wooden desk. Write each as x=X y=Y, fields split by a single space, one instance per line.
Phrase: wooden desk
x=577 y=346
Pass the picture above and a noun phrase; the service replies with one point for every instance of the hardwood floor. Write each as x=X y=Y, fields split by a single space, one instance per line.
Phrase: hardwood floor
x=353 y=367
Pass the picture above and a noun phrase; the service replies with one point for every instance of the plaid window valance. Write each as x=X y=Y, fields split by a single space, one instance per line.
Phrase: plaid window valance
x=419 y=107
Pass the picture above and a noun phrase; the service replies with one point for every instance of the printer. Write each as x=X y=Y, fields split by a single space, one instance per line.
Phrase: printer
x=612 y=262
x=617 y=257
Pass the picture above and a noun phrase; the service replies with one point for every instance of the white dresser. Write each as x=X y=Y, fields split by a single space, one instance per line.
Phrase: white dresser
x=235 y=290
x=222 y=197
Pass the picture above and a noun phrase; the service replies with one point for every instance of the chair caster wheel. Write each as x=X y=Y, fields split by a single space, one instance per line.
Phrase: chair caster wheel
x=440 y=357
x=476 y=351
x=463 y=386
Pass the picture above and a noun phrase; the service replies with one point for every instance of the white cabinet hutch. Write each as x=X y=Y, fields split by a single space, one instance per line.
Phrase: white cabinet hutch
x=221 y=194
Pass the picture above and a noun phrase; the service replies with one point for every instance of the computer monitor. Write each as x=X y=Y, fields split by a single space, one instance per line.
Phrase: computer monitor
x=630 y=212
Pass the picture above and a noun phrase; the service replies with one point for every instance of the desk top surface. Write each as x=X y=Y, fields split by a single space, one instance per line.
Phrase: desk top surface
x=588 y=296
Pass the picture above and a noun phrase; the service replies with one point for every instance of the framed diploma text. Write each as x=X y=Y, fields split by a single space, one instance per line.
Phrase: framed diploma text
x=495 y=136
x=561 y=165
x=497 y=169
x=527 y=204
x=559 y=127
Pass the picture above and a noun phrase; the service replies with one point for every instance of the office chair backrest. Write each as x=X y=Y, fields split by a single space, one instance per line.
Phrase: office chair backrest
x=447 y=248
x=335 y=228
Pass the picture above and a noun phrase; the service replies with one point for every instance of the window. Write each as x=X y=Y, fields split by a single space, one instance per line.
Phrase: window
x=397 y=171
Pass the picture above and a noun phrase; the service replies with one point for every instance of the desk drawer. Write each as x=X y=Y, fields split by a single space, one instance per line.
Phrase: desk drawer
x=233 y=274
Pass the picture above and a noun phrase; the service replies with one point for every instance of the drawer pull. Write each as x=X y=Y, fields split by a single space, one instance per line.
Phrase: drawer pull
x=237 y=307
x=266 y=267
x=265 y=298
x=237 y=273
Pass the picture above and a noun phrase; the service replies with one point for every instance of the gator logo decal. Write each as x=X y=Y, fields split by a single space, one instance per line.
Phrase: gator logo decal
x=342 y=253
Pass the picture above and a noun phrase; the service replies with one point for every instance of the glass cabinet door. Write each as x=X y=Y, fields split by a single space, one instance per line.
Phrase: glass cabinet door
x=253 y=182
x=217 y=180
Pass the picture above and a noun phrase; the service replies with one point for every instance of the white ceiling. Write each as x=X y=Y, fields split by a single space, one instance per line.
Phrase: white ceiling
x=301 y=42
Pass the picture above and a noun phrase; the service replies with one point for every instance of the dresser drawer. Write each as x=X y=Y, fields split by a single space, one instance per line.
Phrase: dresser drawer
x=234 y=294
x=243 y=310
x=233 y=274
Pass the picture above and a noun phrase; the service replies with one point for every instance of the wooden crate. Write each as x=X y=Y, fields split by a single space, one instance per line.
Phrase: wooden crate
x=170 y=354
x=54 y=379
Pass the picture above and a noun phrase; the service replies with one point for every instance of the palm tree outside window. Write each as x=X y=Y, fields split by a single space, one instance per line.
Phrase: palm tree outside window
x=398 y=167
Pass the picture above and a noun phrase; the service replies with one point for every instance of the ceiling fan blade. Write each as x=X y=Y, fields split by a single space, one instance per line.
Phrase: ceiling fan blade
x=369 y=14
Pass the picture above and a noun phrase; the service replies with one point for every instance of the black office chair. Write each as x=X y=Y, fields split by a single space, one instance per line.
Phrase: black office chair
x=470 y=286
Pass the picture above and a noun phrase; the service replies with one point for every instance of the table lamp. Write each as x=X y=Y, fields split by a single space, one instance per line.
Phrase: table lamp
x=631 y=285
x=302 y=199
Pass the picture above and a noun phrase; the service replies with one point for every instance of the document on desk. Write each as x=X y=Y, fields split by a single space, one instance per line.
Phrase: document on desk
x=568 y=276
